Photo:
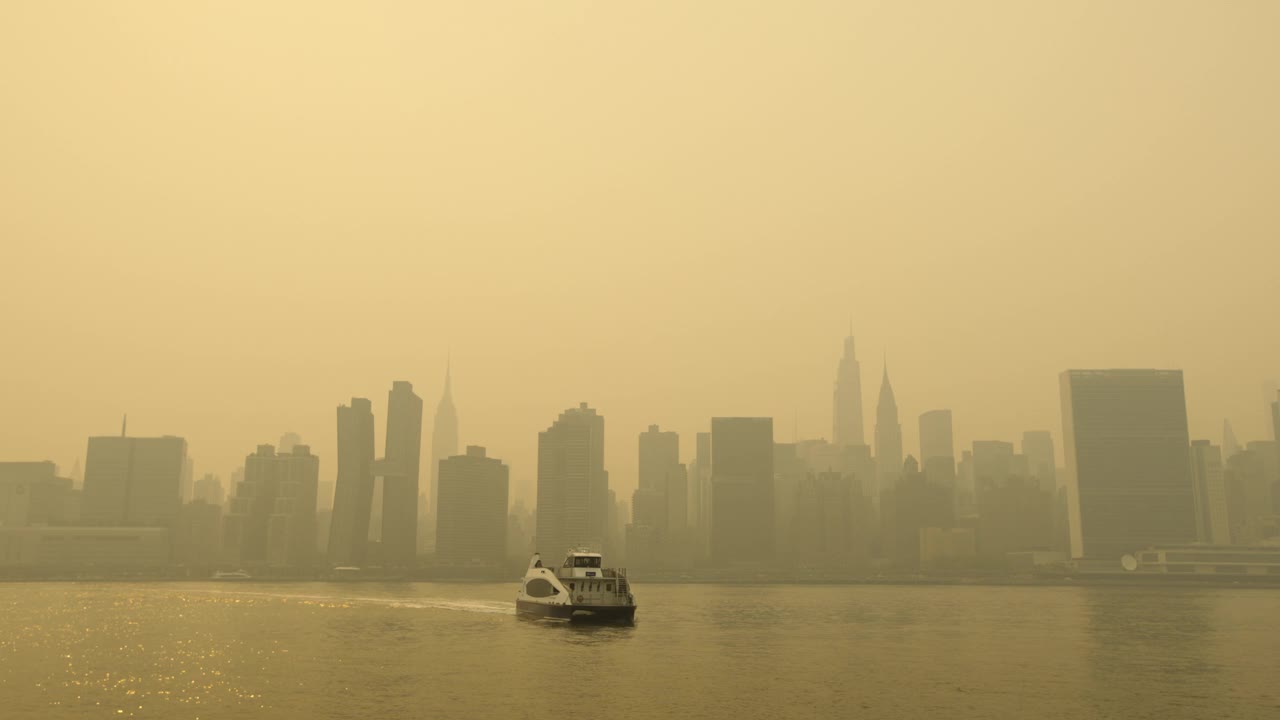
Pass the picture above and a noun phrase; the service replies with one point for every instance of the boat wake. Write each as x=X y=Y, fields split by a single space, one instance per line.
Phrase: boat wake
x=491 y=607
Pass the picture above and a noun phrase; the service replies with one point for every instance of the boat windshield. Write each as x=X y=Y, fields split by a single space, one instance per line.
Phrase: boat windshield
x=586 y=562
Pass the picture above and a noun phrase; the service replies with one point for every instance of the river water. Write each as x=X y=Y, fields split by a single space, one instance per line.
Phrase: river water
x=420 y=650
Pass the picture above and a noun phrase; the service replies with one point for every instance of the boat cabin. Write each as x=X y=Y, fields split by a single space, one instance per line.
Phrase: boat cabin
x=588 y=581
x=581 y=565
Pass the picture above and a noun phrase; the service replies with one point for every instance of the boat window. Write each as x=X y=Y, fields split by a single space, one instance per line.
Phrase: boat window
x=539 y=588
x=586 y=562
x=608 y=587
x=570 y=587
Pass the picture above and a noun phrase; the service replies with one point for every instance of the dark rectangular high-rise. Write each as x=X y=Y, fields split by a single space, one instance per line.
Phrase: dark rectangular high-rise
x=272 y=517
x=742 y=523
x=471 y=524
x=1037 y=447
x=400 y=481
x=937 y=448
x=573 y=487
x=1129 y=480
x=133 y=481
x=353 y=489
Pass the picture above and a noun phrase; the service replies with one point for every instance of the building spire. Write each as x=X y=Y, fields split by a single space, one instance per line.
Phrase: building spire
x=124 y=425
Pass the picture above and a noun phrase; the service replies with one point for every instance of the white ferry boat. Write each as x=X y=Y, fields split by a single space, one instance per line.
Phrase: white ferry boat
x=579 y=590
x=231 y=575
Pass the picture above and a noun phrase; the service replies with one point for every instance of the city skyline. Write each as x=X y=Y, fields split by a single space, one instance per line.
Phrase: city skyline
x=593 y=250
x=623 y=455
x=885 y=359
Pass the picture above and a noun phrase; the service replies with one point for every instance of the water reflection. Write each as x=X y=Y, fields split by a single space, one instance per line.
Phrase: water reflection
x=1148 y=638
x=445 y=651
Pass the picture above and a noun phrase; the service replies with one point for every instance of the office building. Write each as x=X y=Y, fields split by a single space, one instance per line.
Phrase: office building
x=471 y=522
x=1230 y=446
x=911 y=505
x=271 y=519
x=31 y=493
x=993 y=464
x=573 y=487
x=209 y=489
x=742 y=515
x=353 y=488
x=133 y=481
x=888 y=434
x=847 y=399
x=1212 y=523
x=937 y=448
x=1042 y=463
x=400 y=468
x=1128 y=462
x=935 y=435
x=91 y=550
x=444 y=433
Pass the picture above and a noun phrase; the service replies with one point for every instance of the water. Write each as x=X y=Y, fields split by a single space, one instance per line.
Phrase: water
x=317 y=650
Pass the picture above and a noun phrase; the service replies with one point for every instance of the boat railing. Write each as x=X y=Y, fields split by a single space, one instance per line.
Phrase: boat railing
x=614 y=572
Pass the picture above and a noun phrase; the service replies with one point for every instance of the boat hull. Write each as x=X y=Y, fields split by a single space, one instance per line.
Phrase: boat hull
x=577 y=613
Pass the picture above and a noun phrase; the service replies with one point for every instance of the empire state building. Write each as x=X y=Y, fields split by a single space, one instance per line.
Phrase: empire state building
x=847 y=403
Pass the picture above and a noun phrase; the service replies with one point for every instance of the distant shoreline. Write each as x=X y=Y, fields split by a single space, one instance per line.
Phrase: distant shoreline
x=1089 y=580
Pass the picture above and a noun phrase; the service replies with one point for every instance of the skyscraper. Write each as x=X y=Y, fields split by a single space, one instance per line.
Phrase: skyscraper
x=444 y=432
x=935 y=435
x=471 y=524
x=659 y=453
x=31 y=493
x=287 y=441
x=1212 y=524
x=1275 y=418
x=1037 y=446
x=272 y=517
x=573 y=487
x=742 y=522
x=888 y=434
x=400 y=478
x=993 y=464
x=1128 y=466
x=662 y=494
x=937 y=449
x=209 y=489
x=353 y=488
x=700 y=494
x=1275 y=427
x=847 y=402
x=1230 y=446
x=188 y=478
x=133 y=481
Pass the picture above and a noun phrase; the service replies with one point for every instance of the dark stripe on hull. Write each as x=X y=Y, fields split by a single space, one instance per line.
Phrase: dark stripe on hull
x=577 y=613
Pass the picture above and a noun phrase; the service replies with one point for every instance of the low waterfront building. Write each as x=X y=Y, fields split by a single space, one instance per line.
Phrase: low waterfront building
x=1210 y=560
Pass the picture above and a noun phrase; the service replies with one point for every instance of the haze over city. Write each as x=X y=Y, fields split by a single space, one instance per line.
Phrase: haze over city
x=721 y=359
x=225 y=235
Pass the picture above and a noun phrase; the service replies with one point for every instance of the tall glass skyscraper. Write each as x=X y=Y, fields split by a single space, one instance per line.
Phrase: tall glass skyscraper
x=1129 y=482
x=400 y=481
x=573 y=487
x=353 y=489
x=847 y=399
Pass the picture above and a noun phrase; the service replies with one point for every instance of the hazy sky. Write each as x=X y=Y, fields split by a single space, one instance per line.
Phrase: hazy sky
x=226 y=218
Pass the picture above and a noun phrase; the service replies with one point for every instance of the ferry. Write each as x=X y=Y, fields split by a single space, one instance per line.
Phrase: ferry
x=231 y=575
x=580 y=590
